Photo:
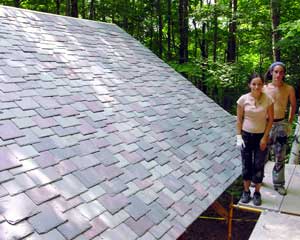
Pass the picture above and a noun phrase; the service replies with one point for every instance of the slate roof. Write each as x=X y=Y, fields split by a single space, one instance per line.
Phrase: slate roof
x=99 y=138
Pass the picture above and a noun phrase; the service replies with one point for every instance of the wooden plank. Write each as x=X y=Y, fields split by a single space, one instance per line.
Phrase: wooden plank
x=271 y=200
x=276 y=226
x=291 y=203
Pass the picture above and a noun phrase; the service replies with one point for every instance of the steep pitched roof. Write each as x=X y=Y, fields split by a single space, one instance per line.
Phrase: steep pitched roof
x=99 y=138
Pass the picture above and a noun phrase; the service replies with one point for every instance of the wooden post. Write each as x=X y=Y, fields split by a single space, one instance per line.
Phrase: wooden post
x=230 y=215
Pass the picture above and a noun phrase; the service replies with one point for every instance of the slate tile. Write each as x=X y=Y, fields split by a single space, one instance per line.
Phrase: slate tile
x=114 y=220
x=20 y=184
x=28 y=104
x=44 y=176
x=137 y=208
x=139 y=171
x=157 y=213
x=105 y=157
x=42 y=194
x=98 y=226
x=93 y=193
x=119 y=232
x=53 y=234
x=45 y=144
x=91 y=210
x=17 y=208
x=5 y=176
x=46 y=220
x=109 y=172
x=8 y=131
x=46 y=113
x=44 y=122
x=24 y=122
x=63 y=205
x=3 y=191
x=27 y=165
x=159 y=230
x=172 y=183
x=70 y=186
x=89 y=177
x=114 y=203
x=132 y=157
x=141 y=226
x=23 y=152
x=42 y=132
x=85 y=162
x=46 y=159
x=76 y=225
x=18 y=231
x=46 y=102
x=65 y=167
x=28 y=139
x=164 y=200
x=8 y=160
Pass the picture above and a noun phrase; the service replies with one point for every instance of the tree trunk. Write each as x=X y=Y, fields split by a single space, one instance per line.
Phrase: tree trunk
x=275 y=12
x=18 y=3
x=57 y=7
x=74 y=8
x=83 y=9
x=160 y=28
x=68 y=7
x=231 y=47
x=183 y=31
x=215 y=36
x=169 y=54
x=92 y=10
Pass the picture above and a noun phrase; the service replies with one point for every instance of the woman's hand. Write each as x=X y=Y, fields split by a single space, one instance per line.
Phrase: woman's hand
x=263 y=143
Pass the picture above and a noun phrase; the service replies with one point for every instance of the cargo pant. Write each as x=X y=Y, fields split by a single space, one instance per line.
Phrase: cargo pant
x=278 y=144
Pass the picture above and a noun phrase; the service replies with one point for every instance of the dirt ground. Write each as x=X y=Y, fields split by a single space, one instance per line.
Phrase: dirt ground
x=212 y=229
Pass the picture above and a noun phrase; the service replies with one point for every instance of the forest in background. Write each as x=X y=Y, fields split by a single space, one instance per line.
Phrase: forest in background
x=216 y=44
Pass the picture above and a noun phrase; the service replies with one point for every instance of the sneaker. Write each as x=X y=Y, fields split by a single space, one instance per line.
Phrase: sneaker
x=257 y=198
x=246 y=197
x=281 y=190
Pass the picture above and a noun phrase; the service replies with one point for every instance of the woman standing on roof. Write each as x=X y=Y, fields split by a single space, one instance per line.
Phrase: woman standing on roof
x=254 y=122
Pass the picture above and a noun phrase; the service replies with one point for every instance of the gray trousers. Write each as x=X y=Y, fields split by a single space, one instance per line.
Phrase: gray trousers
x=278 y=144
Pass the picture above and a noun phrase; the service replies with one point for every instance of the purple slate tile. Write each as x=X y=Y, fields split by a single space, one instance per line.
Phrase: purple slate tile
x=9 y=131
x=45 y=144
x=164 y=200
x=86 y=129
x=94 y=106
x=46 y=159
x=98 y=226
x=132 y=157
x=44 y=122
x=172 y=183
x=17 y=208
x=68 y=111
x=63 y=205
x=65 y=167
x=46 y=220
x=181 y=207
x=9 y=87
x=42 y=194
x=109 y=172
x=141 y=226
x=44 y=176
x=8 y=160
x=113 y=203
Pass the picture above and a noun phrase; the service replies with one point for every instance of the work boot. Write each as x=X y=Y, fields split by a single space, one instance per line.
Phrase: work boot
x=257 y=198
x=246 y=197
x=281 y=190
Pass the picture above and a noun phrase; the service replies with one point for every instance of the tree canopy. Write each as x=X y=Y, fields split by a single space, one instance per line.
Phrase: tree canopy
x=216 y=44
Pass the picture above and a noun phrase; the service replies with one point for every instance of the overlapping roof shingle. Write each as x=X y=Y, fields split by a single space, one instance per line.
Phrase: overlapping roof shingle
x=100 y=139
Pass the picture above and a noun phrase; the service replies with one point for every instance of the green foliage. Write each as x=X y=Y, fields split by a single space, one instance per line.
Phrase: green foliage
x=209 y=22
